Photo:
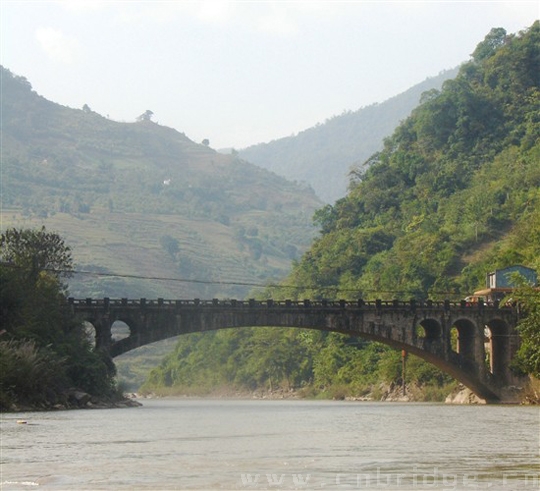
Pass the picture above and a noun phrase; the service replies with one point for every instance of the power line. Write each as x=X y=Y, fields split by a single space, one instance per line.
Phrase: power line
x=241 y=283
x=335 y=289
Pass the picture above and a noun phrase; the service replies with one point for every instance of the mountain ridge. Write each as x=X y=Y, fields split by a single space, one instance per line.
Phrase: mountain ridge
x=140 y=191
x=323 y=155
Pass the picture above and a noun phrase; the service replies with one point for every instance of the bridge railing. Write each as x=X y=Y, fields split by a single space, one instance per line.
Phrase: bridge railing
x=105 y=303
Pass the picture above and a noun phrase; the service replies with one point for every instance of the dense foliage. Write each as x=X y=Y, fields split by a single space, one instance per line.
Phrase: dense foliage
x=43 y=350
x=454 y=194
x=528 y=356
x=317 y=364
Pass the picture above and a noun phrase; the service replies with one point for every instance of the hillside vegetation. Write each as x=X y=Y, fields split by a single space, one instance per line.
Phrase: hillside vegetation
x=140 y=199
x=323 y=155
x=454 y=194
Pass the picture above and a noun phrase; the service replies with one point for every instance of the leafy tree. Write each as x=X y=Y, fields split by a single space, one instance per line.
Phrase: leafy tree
x=490 y=44
x=35 y=252
x=170 y=245
x=146 y=116
x=528 y=356
x=44 y=349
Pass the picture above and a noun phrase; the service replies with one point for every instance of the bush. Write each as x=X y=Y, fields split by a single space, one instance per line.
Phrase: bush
x=29 y=374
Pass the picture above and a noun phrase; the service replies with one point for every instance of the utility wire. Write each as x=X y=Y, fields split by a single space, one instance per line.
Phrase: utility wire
x=243 y=283
x=69 y=272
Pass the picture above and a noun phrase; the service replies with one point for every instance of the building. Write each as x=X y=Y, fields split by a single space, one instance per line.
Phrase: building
x=500 y=283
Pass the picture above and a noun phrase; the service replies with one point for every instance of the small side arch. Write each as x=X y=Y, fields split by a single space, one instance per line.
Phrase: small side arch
x=463 y=338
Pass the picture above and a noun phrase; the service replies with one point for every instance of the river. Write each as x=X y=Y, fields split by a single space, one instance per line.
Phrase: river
x=175 y=444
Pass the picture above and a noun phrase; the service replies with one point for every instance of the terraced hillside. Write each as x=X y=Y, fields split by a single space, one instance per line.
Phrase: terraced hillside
x=142 y=200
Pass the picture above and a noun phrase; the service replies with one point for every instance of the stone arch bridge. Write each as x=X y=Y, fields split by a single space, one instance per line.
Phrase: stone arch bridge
x=480 y=359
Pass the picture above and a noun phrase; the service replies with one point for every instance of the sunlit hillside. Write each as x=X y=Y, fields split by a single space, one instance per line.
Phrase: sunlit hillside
x=139 y=199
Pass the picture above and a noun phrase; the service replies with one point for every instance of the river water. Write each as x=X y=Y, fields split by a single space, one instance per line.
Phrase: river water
x=179 y=444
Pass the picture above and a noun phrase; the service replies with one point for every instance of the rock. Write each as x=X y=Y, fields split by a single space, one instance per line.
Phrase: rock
x=463 y=395
x=78 y=397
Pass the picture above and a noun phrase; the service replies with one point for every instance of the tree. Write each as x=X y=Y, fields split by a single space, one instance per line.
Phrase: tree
x=206 y=142
x=528 y=356
x=44 y=350
x=146 y=116
x=489 y=45
x=36 y=251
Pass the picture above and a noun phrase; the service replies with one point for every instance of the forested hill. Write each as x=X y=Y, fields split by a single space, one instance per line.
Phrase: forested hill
x=454 y=193
x=140 y=199
x=323 y=155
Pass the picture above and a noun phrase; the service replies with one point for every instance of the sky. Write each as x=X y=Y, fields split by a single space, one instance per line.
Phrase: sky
x=245 y=72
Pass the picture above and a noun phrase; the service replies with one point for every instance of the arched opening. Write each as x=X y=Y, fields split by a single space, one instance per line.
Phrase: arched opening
x=430 y=330
x=89 y=332
x=497 y=347
x=463 y=333
x=119 y=330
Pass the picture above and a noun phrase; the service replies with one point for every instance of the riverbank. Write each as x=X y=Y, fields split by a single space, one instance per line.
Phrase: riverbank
x=76 y=399
x=379 y=393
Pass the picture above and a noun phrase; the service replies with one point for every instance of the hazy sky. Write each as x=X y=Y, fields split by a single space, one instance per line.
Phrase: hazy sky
x=240 y=73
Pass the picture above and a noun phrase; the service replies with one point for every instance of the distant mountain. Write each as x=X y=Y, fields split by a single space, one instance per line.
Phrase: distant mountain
x=322 y=156
x=143 y=200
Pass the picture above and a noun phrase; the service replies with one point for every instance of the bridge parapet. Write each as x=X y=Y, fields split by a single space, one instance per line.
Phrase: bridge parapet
x=106 y=303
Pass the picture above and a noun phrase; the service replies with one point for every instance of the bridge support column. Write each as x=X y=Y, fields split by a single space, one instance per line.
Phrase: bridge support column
x=102 y=326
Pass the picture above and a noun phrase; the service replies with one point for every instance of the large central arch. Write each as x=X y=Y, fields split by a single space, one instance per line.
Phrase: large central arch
x=425 y=330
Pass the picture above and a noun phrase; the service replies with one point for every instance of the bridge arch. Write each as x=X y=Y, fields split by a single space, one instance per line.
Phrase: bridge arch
x=430 y=329
x=458 y=368
x=394 y=323
x=467 y=333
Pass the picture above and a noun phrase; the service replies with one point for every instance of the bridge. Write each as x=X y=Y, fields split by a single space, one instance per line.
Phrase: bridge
x=473 y=343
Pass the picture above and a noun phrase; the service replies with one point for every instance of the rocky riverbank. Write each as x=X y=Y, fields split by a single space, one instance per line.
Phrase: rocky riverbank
x=76 y=399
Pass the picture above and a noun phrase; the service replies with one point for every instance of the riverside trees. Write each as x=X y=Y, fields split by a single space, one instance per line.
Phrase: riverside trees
x=43 y=350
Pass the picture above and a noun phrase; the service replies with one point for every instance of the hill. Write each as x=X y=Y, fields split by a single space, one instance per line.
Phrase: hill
x=453 y=194
x=142 y=200
x=323 y=155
